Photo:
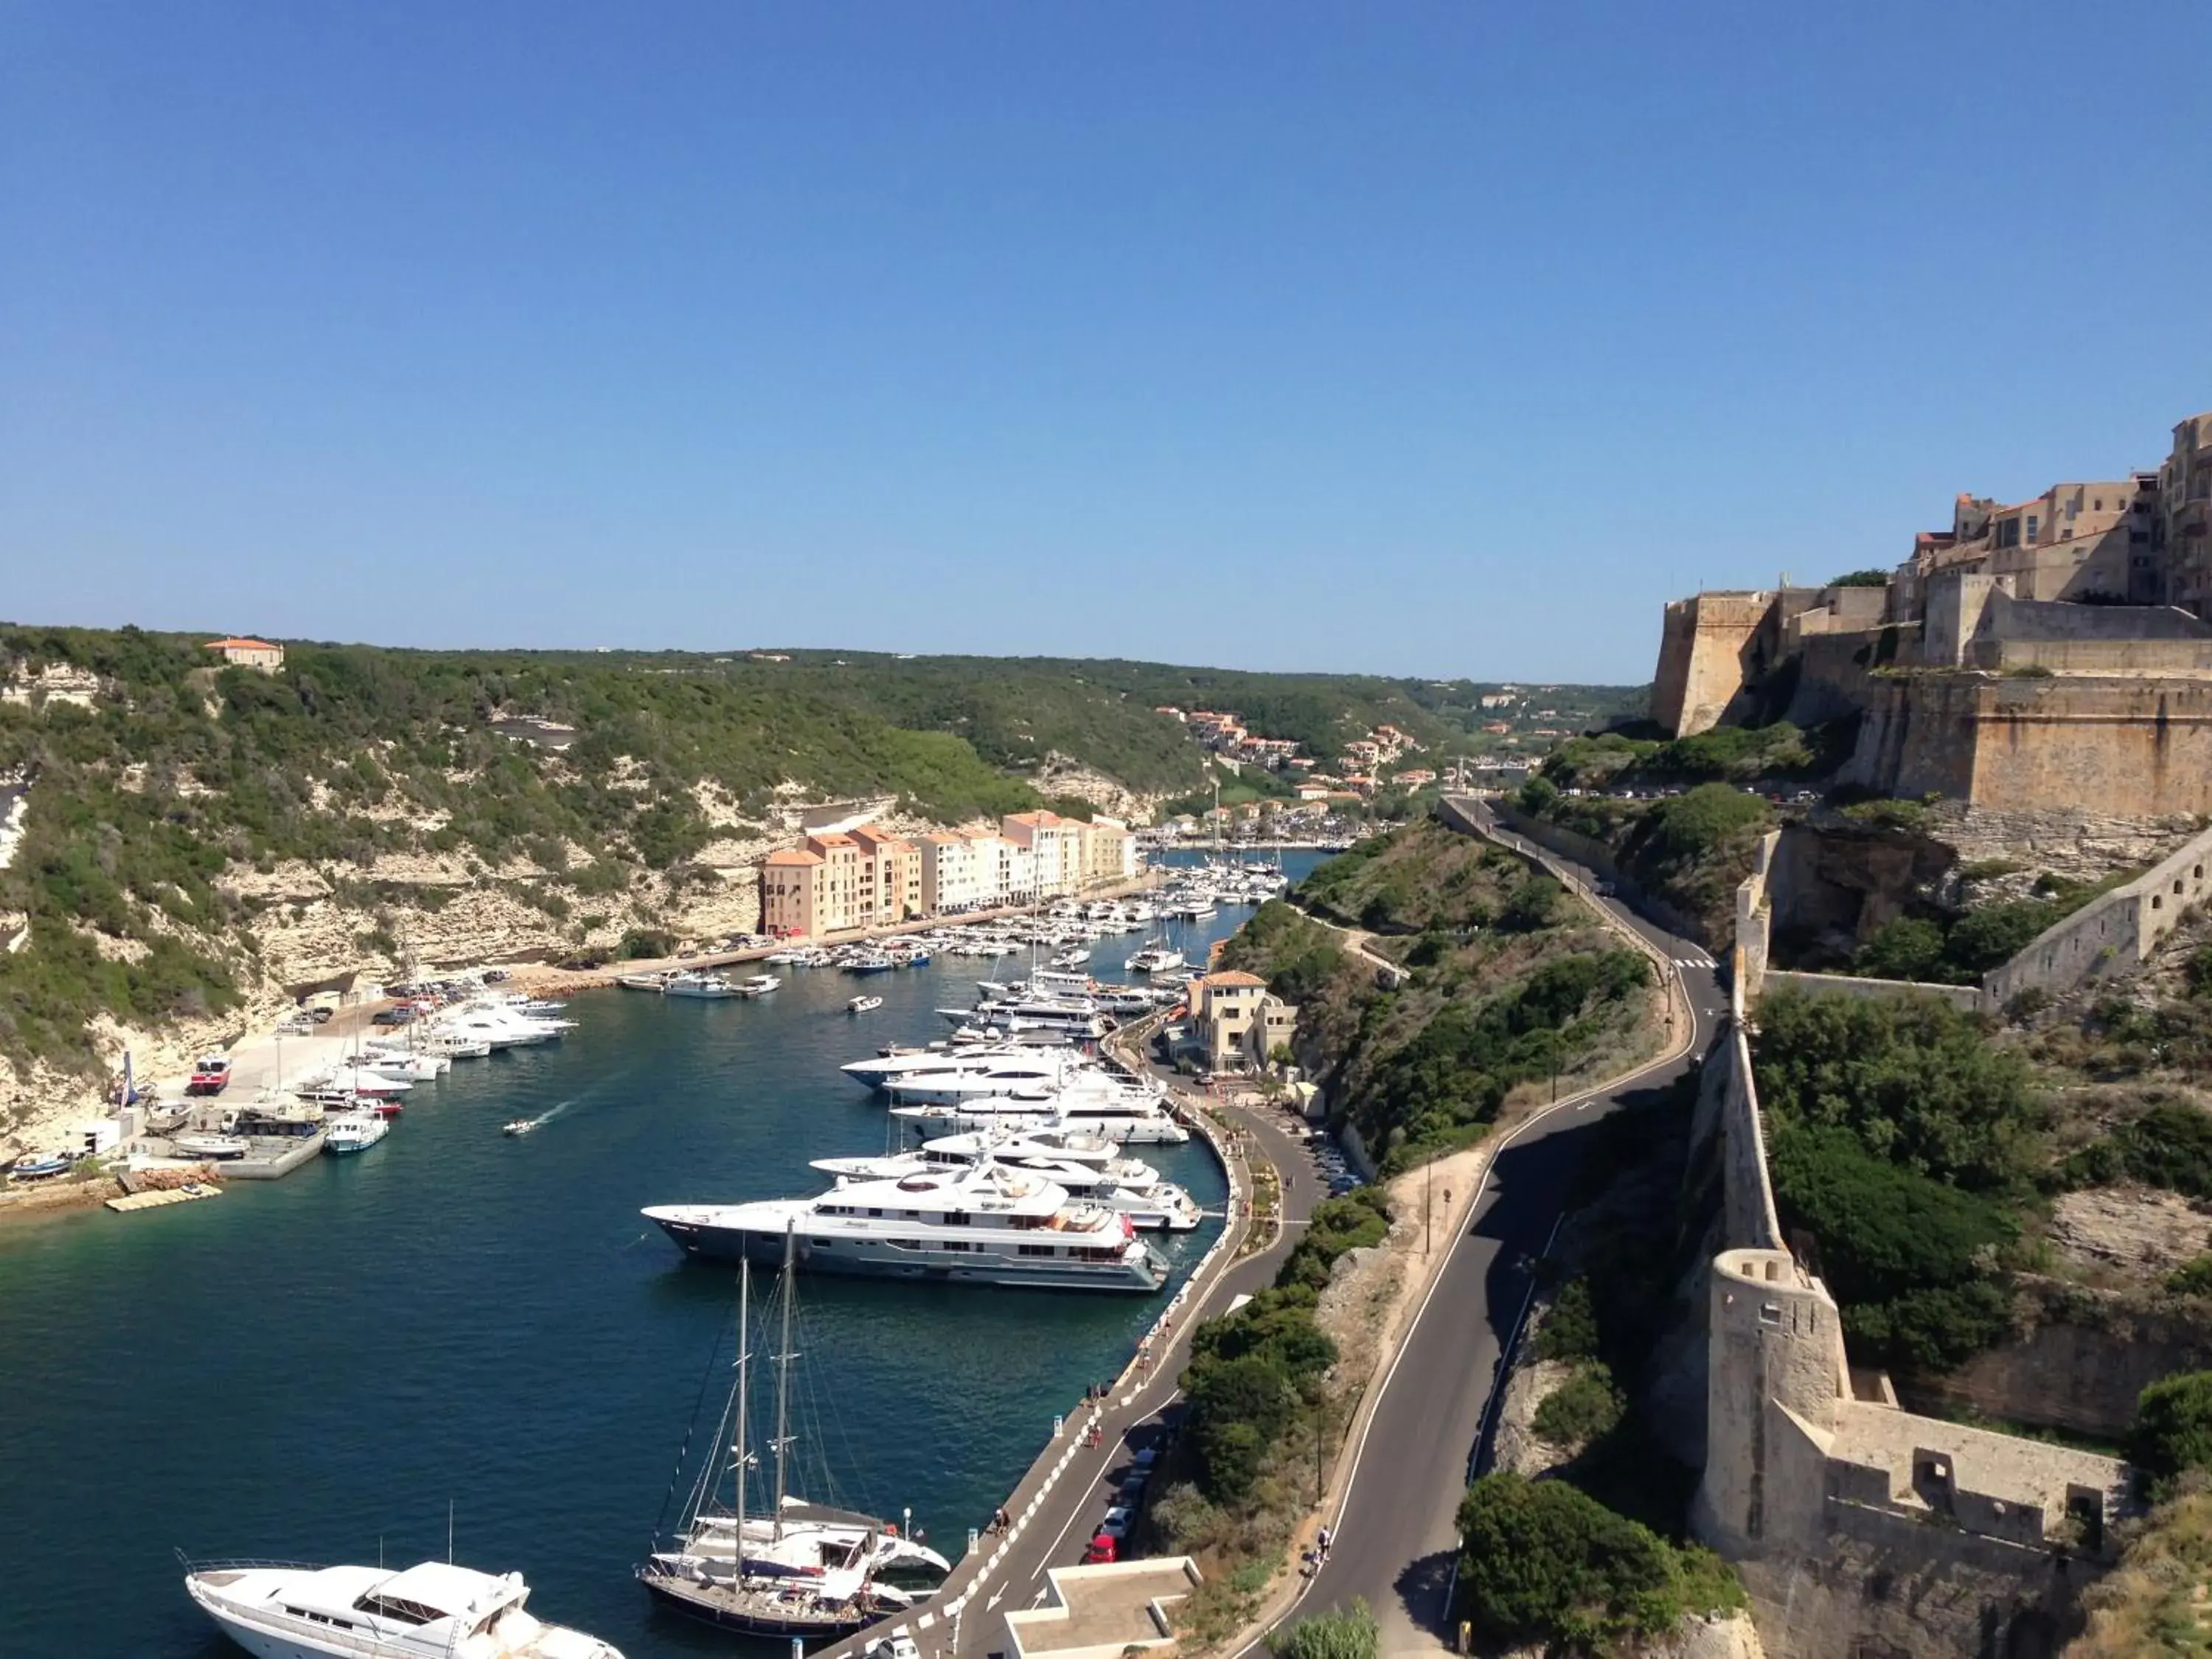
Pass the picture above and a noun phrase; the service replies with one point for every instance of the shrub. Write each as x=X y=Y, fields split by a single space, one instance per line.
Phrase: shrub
x=1910 y=1257
x=1694 y=823
x=2173 y=1430
x=1994 y=934
x=1915 y=1079
x=1583 y=1408
x=1862 y=579
x=1907 y=948
x=1569 y=1327
x=1339 y=1633
x=1542 y=1563
x=1531 y=906
x=2191 y=1278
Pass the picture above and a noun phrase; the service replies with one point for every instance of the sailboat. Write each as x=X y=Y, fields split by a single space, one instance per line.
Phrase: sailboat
x=801 y=1569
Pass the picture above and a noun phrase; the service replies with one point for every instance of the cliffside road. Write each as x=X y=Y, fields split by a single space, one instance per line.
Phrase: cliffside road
x=1395 y=1540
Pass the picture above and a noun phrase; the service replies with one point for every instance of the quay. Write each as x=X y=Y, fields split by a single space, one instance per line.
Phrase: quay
x=1056 y=1508
x=156 y=1198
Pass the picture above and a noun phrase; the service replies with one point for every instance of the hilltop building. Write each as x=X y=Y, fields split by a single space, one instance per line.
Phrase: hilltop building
x=249 y=654
x=2050 y=653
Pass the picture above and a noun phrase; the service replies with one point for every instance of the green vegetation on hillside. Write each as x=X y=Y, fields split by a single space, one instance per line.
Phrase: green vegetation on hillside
x=2172 y=1434
x=1908 y=1146
x=1689 y=851
x=1506 y=984
x=1542 y=1563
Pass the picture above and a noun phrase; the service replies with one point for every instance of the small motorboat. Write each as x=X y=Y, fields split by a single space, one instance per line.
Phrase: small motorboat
x=521 y=1126
x=39 y=1166
x=759 y=985
x=386 y=1109
x=214 y=1148
x=864 y=1004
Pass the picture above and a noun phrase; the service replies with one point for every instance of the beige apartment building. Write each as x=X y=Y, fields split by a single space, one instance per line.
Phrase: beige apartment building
x=890 y=890
x=1054 y=843
x=1238 y=1020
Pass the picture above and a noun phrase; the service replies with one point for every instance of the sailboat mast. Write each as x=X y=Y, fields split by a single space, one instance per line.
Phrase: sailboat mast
x=783 y=1375
x=745 y=1324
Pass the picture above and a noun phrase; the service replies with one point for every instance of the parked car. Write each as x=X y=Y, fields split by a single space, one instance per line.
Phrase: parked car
x=402 y=1015
x=580 y=964
x=1104 y=1548
x=210 y=1076
x=1116 y=1523
x=893 y=1647
x=320 y=1015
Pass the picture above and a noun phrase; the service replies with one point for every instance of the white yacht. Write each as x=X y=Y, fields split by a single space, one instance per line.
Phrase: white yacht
x=1154 y=959
x=354 y=1131
x=710 y=987
x=1126 y=1185
x=1111 y=1112
x=417 y=1067
x=362 y=1080
x=1067 y=1016
x=502 y=1028
x=976 y=1074
x=431 y=1611
x=878 y=1072
x=977 y=1226
x=758 y=985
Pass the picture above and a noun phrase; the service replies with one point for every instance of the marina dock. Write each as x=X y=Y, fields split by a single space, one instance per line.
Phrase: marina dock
x=160 y=1198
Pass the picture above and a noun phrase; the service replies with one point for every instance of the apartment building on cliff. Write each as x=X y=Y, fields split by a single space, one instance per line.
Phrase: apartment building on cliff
x=2054 y=652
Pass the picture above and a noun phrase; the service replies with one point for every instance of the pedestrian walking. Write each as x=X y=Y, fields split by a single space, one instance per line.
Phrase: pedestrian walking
x=1327 y=1539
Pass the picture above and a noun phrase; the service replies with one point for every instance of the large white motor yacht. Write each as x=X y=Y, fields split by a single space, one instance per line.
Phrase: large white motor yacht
x=982 y=1226
x=1126 y=1185
x=431 y=1611
x=878 y=1072
x=1092 y=1106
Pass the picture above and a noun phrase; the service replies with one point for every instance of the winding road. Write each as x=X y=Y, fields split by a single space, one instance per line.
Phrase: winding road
x=1395 y=1543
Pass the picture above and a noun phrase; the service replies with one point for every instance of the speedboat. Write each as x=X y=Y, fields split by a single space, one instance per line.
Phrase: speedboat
x=521 y=1126
x=712 y=986
x=214 y=1148
x=758 y=985
x=355 y=1132
x=431 y=1611
x=864 y=1004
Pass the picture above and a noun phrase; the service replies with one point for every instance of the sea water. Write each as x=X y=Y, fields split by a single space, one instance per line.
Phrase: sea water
x=461 y=1322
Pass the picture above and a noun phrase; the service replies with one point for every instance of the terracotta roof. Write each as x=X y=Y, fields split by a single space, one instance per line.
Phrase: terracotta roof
x=239 y=645
x=794 y=856
x=1234 y=976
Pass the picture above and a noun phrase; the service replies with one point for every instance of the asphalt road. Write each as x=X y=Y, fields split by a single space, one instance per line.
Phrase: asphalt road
x=1395 y=1542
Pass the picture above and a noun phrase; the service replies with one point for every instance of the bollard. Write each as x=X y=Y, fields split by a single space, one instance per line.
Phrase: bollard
x=1058 y=1423
x=797 y=1648
x=971 y=1541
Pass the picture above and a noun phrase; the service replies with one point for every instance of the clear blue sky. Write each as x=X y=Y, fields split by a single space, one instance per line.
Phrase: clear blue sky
x=1431 y=339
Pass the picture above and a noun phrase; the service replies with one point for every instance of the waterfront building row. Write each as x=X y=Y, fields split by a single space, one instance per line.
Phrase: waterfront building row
x=836 y=881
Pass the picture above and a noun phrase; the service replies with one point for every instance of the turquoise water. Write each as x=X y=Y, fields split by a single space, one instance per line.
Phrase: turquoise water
x=309 y=1368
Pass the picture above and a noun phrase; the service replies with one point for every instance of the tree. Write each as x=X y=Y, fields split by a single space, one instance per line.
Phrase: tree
x=1537 y=796
x=2173 y=1430
x=1530 y=906
x=1862 y=579
x=1540 y=1562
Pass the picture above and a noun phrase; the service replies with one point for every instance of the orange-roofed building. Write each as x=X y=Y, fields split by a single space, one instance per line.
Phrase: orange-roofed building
x=1239 y=1023
x=250 y=653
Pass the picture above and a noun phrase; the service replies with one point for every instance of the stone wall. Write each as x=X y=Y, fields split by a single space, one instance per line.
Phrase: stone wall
x=2079 y=1365
x=1889 y=1588
x=1701 y=657
x=2130 y=746
x=1967 y=997
x=2114 y=933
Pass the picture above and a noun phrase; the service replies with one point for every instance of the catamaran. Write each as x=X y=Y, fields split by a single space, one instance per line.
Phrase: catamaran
x=799 y=1569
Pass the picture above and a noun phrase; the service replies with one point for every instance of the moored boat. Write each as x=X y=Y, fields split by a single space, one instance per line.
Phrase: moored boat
x=429 y=1611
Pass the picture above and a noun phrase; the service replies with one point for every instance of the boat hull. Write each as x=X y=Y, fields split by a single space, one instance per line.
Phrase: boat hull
x=860 y=1259
x=754 y=1614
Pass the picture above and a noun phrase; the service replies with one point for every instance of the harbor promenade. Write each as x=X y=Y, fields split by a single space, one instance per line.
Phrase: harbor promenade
x=1056 y=1508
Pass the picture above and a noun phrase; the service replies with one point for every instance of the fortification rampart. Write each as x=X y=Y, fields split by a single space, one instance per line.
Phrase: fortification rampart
x=1701 y=657
x=2114 y=933
x=1967 y=997
x=2134 y=746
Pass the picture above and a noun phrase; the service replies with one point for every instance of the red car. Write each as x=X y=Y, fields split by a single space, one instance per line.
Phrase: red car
x=211 y=1076
x=1103 y=1549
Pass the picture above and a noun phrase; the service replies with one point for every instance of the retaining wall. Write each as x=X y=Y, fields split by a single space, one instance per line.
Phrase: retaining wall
x=2112 y=933
x=1967 y=998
